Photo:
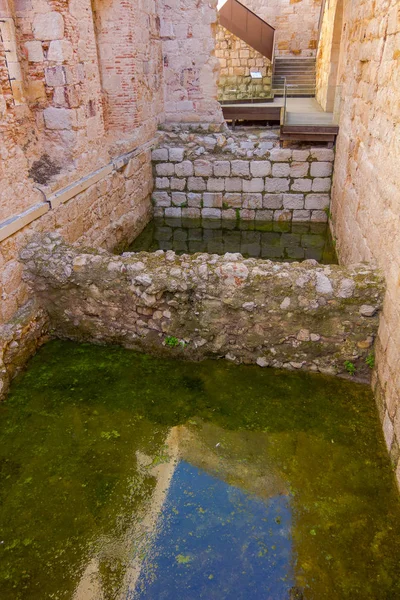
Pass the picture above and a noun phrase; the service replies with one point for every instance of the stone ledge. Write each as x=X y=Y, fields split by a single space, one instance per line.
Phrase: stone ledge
x=290 y=315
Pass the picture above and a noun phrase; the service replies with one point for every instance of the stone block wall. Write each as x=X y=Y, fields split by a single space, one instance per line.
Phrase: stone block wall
x=295 y=22
x=220 y=176
x=111 y=211
x=190 y=66
x=296 y=316
x=238 y=61
x=366 y=189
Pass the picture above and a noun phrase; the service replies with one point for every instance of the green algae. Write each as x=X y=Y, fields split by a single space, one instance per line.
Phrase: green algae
x=72 y=484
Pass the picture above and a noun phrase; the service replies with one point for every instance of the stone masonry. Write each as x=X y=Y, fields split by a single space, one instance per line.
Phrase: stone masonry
x=229 y=176
x=366 y=190
x=238 y=61
x=295 y=316
x=295 y=22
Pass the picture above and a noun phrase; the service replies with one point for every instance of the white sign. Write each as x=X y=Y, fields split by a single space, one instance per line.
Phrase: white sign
x=256 y=75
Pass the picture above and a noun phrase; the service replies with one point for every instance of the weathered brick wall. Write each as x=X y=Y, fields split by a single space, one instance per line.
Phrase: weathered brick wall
x=190 y=66
x=238 y=61
x=248 y=177
x=295 y=21
x=296 y=316
x=88 y=95
x=366 y=190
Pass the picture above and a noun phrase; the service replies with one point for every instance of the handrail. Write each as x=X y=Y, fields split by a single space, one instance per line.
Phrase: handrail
x=249 y=27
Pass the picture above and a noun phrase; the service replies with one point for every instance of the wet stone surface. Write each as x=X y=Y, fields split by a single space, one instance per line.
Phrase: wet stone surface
x=276 y=241
x=125 y=477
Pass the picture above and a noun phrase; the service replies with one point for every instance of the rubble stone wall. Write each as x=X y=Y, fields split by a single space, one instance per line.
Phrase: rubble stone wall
x=295 y=22
x=366 y=189
x=225 y=176
x=238 y=61
x=296 y=316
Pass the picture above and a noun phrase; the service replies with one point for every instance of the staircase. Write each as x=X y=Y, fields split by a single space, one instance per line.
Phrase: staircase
x=299 y=73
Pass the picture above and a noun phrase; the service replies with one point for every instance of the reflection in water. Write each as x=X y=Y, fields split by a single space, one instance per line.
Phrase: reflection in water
x=125 y=474
x=256 y=239
x=216 y=541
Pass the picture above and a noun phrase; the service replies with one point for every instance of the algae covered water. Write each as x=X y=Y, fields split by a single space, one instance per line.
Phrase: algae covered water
x=130 y=477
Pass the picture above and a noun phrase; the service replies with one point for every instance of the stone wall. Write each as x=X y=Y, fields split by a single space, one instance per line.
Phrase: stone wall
x=366 y=190
x=295 y=22
x=230 y=176
x=296 y=316
x=190 y=66
x=238 y=61
x=76 y=126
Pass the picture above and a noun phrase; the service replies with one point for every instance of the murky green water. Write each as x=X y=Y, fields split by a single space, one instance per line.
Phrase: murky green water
x=278 y=241
x=94 y=439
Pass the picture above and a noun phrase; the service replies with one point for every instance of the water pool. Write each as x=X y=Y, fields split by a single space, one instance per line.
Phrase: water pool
x=278 y=241
x=129 y=477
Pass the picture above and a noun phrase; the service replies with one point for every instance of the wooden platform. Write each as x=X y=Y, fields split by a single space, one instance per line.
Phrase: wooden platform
x=305 y=120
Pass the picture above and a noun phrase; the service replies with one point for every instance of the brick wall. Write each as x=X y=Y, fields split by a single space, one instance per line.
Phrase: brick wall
x=366 y=189
x=238 y=61
x=216 y=177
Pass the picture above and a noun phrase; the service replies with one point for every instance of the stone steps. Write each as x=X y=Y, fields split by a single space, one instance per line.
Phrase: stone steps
x=299 y=74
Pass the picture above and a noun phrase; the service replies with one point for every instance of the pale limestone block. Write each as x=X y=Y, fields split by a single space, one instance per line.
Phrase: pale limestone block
x=161 y=199
x=233 y=184
x=280 y=154
x=211 y=213
x=48 y=26
x=273 y=201
x=173 y=212
x=317 y=201
x=55 y=76
x=253 y=185
x=222 y=168
x=301 y=185
x=240 y=168
x=178 y=184
x=162 y=183
x=212 y=200
x=59 y=118
x=194 y=200
x=184 y=169
x=191 y=213
x=176 y=154
x=281 y=170
x=301 y=215
x=282 y=215
x=179 y=198
x=276 y=185
x=388 y=431
x=299 y=169
x=252 y=201
x=247 y=214
x=196 y=184
x=60 y=51
x=165 y=169
x=264 y=215
x=300 y=155
x=160 y=154
x=260 y=168
x=322 y=184
x=35 y=51
x=323 y=154
x=203 y=168
x=215 y=184
x=321 y=169
x=293 y=201
x=319 y=216
x=229 y=214
x=233 y=200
